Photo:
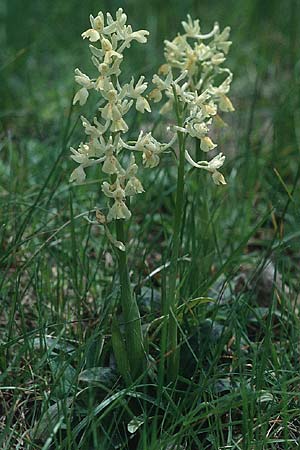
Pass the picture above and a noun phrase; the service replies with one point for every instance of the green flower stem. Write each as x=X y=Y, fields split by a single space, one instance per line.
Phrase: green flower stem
x=132 y=319
x=172 y=296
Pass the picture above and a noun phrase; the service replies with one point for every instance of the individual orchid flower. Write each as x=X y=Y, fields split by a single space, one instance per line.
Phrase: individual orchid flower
x=81 y=96
x=136 y=92
x=191 y=27
x=78 y=175
x=118 y=210
x=211 y=166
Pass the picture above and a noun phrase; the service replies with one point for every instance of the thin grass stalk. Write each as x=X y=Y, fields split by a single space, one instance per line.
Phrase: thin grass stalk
x=131 y=315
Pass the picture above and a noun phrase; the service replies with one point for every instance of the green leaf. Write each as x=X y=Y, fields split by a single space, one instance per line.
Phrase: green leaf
x=64 y=376
x=52 y=417
x=190 y=304
x=52 y=343
x=135 y=424
x=265 y=396
x=98 y=375
x=120 y=352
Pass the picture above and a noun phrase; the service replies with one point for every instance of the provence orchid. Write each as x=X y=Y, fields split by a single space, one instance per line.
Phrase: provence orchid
x=194 y=87
x=105 y=134
x=189 y=82
x=190 y=74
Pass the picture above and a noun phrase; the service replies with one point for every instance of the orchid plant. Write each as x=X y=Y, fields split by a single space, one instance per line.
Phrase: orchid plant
x=188 y=84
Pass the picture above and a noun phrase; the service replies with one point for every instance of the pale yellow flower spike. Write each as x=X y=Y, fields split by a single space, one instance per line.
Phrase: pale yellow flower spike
x=109 y=38
x=192 y=70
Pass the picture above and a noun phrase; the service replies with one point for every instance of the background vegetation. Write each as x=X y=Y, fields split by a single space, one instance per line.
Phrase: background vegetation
x=58 y=286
